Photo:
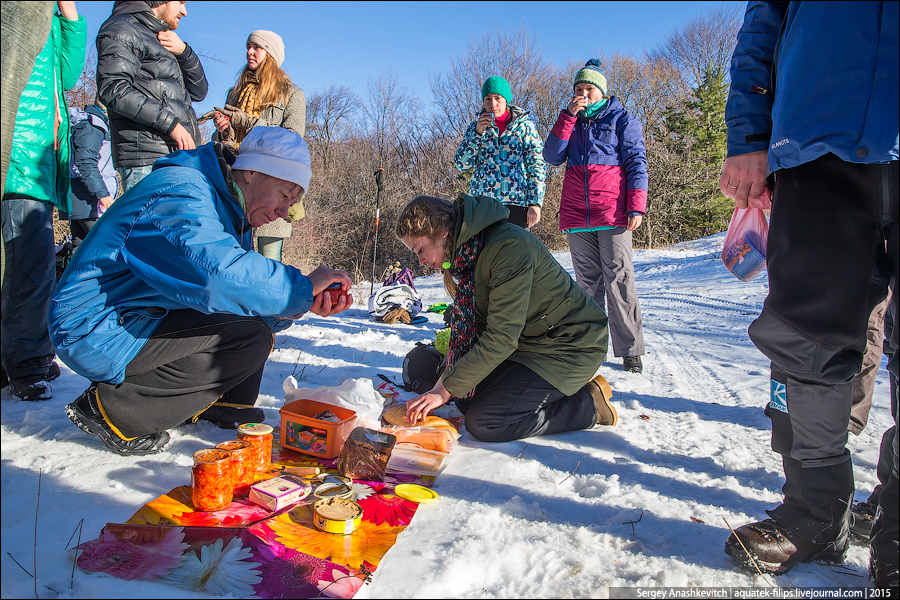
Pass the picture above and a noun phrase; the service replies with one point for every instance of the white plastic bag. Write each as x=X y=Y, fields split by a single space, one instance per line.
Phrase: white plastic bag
x=358 y=395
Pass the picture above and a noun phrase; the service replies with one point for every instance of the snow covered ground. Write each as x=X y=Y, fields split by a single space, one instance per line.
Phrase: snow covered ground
x=568 y=515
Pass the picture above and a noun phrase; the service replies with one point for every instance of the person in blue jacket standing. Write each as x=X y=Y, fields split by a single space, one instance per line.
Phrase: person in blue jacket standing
x=94 y=182
x=166 y=309
x=814 y=100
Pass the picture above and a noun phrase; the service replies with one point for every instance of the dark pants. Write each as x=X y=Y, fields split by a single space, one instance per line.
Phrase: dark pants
x=830 y=221
x=30 y=275
x=80 y=229
x=518 y=215
x=191 y=361
x=513 y=402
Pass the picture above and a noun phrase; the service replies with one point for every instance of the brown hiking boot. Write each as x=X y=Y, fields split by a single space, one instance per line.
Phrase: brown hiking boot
x=774 y=549
x=601 y=394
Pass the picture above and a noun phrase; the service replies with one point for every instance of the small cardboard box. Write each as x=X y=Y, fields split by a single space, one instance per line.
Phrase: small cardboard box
x=278 y=493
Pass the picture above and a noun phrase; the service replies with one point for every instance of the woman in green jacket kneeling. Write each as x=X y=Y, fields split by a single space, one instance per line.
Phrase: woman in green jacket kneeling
x=526 y=341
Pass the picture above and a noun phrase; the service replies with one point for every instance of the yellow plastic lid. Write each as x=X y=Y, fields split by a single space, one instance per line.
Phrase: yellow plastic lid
x=415 y=493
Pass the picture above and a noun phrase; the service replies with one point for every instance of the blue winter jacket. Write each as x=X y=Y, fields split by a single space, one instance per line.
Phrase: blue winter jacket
x=809 y=78
x=177 y=240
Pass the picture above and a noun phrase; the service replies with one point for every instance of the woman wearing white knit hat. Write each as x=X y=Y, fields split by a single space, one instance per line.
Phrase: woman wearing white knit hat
x=263 y=95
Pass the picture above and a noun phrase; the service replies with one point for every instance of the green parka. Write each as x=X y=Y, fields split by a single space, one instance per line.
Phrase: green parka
x=528 y=309
x=39 y=162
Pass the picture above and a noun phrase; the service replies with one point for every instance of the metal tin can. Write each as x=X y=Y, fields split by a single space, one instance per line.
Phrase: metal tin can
x=337 y=515
x=260 y=436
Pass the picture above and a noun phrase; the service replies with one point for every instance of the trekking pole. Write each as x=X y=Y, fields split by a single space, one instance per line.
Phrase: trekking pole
x=379 y=181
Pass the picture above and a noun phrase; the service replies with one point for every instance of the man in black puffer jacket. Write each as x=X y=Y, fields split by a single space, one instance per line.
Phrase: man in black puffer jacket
x=148 y=77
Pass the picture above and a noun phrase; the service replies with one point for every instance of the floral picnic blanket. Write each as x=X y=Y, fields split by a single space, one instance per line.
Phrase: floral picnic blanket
x=246 y=550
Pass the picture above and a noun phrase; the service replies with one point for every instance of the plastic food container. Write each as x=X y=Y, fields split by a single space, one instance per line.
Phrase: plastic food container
x=260 y=436
x=301 y=431
x=212 y=479
x=416 y=461
x=744 y=259
x=243 y=464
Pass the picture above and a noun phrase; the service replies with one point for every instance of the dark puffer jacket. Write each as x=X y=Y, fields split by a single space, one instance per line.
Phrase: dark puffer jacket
x=146 y=89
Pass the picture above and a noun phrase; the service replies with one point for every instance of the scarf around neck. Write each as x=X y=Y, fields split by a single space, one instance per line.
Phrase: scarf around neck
x=591 y=111
x=462 y=332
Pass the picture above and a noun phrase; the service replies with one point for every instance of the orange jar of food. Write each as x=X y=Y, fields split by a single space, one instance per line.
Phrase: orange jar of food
x=242 y=459
x=212 y=479
x=259 y=435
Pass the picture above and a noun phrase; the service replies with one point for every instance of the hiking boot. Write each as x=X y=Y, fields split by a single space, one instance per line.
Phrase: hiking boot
x=53 y=371
x=30 y=389
x=601 y=394
x=774 y=549
x=33 y=388
x=632 y=364
x=862 y=518
x=86 y=415
x=884 y=576
x=232 y=417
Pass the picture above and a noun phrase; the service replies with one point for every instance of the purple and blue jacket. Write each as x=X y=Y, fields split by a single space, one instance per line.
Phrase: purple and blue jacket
x=606 y=167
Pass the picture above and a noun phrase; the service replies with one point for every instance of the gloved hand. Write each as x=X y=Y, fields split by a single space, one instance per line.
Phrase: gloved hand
x=239 y=119
x=397 y=314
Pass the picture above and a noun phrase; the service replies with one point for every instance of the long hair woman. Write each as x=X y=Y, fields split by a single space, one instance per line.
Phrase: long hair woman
x=526 y=342
x=263 y=95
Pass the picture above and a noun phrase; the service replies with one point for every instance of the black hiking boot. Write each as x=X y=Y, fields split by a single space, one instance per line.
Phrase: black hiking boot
x=231 y=417
x=86 y=415
x=774 y=549
x=885 y=576
x=35 y=387
x=862 y=518
x=601 y=394
x=632 y=364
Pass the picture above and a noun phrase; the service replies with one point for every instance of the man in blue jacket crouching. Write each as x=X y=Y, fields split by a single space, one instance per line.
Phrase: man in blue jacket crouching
x=166 y=308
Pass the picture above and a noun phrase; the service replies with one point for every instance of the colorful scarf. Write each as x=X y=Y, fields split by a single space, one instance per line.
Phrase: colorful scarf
x=462 y=333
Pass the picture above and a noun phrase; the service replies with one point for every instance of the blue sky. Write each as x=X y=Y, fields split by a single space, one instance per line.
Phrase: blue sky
x=346 y=43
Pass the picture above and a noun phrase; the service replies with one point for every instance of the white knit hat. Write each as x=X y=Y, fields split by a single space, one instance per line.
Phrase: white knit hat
x=269 y=41
x=277 y=152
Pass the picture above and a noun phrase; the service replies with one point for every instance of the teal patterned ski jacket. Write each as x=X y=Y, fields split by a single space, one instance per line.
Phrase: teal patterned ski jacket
x=509 y=168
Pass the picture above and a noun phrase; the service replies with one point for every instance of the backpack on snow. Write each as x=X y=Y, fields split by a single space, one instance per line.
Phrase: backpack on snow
x=398 y=291
x=422 y=368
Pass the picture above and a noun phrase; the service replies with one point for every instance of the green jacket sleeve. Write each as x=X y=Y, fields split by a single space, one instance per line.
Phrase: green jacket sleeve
x=509 y=276
x=73 y=38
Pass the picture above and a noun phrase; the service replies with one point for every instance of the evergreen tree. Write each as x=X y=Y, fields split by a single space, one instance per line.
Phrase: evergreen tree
x=695 y=136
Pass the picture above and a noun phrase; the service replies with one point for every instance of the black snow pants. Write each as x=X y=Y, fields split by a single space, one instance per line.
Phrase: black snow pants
x=191 y=361
x=833 y=224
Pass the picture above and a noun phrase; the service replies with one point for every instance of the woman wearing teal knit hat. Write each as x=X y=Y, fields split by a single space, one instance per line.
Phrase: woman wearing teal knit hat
x=604 y=198
x=502 y=151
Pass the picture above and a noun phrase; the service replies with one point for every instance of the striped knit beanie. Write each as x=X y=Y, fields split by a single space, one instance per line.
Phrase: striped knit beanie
x=590 y=73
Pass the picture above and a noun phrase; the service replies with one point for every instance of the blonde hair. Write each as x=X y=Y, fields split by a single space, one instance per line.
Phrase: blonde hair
x=427 y=216
x=274 y=84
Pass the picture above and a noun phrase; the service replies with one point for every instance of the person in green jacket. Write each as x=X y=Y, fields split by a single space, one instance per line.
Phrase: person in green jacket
x=37 y=181
x=526 y=342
